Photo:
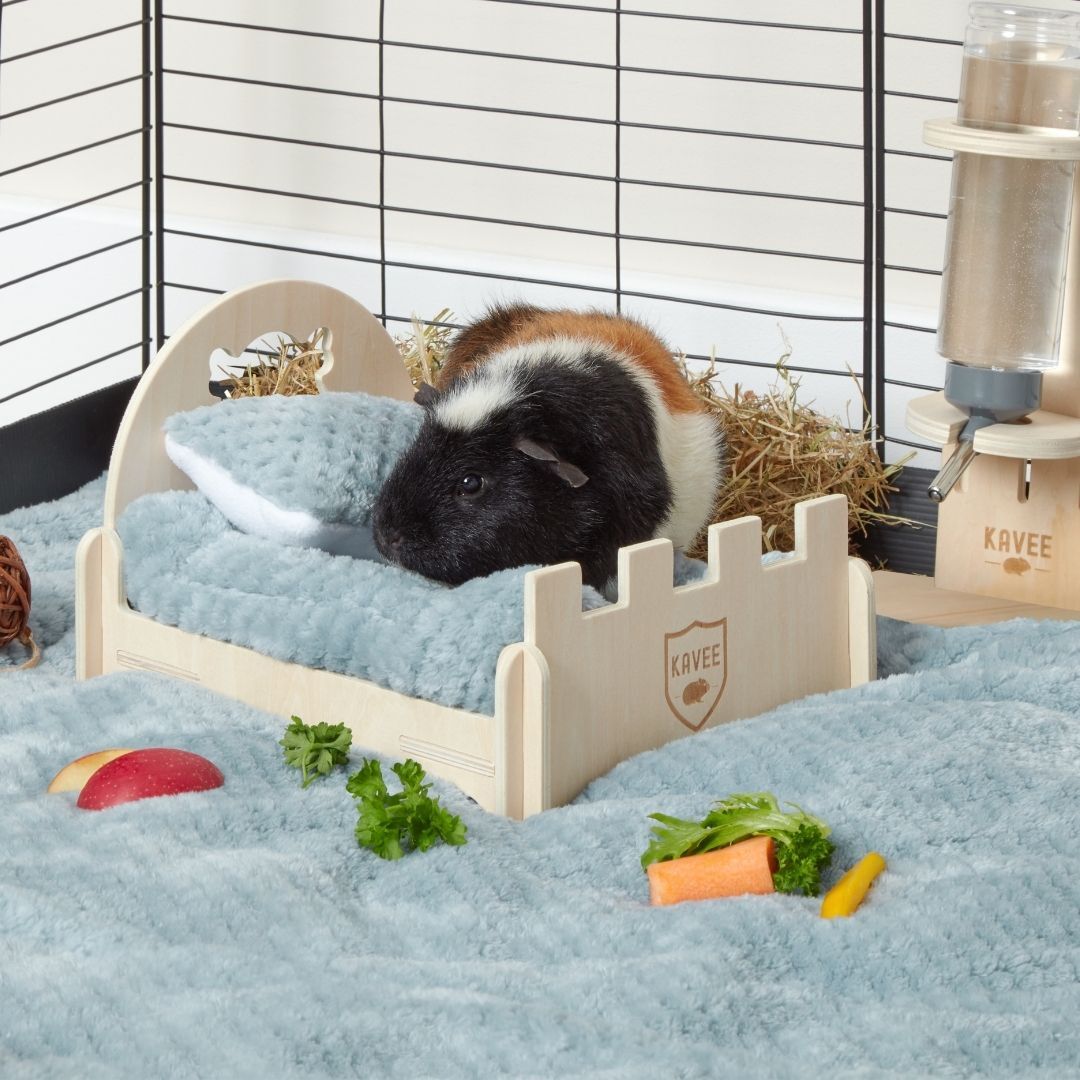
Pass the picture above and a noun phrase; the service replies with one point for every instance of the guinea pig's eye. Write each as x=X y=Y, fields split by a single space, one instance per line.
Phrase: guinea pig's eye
x=472 y=484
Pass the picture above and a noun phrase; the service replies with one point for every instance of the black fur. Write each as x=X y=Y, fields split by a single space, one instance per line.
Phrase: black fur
x=594 y=416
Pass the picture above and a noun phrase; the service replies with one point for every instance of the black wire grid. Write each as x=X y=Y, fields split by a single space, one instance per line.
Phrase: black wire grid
x=158 y=173
x=887 y=216
x=140 y=82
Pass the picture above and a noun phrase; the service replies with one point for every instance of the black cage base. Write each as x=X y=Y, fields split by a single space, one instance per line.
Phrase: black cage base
x=52 y=453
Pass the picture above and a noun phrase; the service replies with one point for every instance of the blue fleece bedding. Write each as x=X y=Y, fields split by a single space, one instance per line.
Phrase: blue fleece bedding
x=186 y=566
x=241 y=933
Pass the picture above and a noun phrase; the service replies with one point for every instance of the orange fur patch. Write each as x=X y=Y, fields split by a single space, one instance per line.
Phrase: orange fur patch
x=523 y=325
x=477 y=341
x=624 y=335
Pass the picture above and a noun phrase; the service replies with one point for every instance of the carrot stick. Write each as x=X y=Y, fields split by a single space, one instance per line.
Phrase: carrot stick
x=848 y=893
x=745 y=867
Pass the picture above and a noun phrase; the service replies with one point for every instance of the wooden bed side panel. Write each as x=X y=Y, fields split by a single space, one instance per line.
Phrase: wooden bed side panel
x=536 y=734
x=664 y=663
x=450 y=743
x=362 y=356
x=88 y=605
x=509 y=703
x=862 y=623
x=521 y=733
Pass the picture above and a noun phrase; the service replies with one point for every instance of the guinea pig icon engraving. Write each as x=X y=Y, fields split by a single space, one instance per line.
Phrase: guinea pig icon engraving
x=695 y=671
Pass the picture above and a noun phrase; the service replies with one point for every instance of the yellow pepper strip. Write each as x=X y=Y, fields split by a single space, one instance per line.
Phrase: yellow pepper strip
x=848 y=893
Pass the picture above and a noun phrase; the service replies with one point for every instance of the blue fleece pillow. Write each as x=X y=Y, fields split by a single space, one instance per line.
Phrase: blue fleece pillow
x=301 y=470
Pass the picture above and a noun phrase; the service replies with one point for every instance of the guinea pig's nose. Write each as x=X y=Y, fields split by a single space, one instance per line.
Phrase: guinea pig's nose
x=389 y=539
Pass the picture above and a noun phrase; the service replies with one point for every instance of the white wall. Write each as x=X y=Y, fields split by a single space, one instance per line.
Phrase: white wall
x=350 y=175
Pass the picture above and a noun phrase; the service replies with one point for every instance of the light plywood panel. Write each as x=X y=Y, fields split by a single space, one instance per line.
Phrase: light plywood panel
x=915 y=598
x=1001 y=536
x=664 y=662
x=1047 y=435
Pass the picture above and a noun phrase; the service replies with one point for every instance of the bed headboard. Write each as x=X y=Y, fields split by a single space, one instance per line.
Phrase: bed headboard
x=361 y=356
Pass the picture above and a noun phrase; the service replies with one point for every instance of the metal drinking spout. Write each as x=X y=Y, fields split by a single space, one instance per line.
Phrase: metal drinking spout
x=951 y=471
x=988 y=396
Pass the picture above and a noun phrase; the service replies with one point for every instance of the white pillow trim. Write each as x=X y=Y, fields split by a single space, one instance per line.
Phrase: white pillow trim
x=253 y=513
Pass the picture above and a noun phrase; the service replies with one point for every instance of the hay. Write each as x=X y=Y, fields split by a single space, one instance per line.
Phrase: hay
x=423 y=350
x=291 y=369
x=780 y=452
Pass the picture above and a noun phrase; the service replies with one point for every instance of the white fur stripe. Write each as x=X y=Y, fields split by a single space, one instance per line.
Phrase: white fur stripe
x=567 y=351
x=467 y=408
x=493 y=385
x=689 y=446
x=690 y=449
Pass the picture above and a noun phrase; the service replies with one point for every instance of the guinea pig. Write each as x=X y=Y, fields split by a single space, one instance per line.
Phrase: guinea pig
x=552 y=436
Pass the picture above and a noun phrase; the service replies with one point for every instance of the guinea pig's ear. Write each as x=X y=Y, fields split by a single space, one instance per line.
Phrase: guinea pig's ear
x=542 y=452
x=425 y=396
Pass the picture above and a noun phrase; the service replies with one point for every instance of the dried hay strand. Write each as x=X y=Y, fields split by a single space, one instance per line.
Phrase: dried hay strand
x=780 y=452
x=423 y=349
x=15 y=602
x=291 y=371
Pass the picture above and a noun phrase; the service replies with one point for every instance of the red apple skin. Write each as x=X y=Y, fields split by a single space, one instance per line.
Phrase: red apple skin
x=144 y=774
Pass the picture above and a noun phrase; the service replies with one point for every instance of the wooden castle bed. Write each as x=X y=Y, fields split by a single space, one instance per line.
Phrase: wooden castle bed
x=581 y=691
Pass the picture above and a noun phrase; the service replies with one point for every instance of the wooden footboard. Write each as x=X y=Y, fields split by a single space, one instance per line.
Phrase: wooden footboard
x=666 y=662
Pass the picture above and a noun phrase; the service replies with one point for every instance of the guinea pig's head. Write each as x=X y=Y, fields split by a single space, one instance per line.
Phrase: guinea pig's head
x=489 y=483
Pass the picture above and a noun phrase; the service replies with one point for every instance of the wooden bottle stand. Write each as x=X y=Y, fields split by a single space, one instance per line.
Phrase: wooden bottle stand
x=1011 y=525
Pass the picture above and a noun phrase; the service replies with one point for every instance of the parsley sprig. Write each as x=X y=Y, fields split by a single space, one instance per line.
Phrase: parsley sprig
x=315 y=750
x=409 y=820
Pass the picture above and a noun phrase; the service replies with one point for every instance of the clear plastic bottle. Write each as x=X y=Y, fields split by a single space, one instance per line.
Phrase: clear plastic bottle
x=1008 y=229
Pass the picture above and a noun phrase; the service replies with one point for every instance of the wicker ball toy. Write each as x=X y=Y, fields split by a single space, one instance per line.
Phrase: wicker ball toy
x=15 y=601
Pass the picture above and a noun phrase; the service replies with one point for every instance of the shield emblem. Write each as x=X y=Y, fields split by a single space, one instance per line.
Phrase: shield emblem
x=695 y=671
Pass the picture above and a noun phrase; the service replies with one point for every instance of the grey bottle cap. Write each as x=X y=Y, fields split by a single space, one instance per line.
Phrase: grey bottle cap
x=996 y=396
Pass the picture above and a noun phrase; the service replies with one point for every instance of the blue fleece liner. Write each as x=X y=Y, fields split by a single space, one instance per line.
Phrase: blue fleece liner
x=241 y=933
x=186 y=566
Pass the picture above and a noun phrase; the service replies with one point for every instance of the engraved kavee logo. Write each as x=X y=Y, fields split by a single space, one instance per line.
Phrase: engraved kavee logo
x=695 y=666
x=1016 y=551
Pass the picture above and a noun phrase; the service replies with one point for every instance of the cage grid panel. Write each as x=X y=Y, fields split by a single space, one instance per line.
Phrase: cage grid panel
x=723 y=174
x=568 y=154
x=75 y=153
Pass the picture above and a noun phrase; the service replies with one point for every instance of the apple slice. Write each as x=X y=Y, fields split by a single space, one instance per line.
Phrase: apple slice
x=143 y=774
x=74 y=776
